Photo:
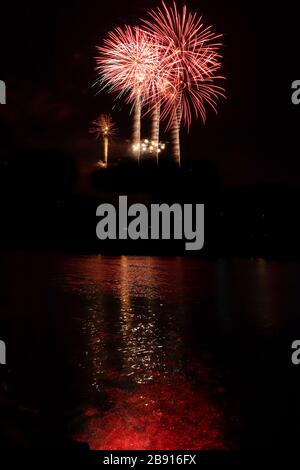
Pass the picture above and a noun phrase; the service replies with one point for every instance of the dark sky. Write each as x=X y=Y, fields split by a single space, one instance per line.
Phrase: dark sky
x=46 y=59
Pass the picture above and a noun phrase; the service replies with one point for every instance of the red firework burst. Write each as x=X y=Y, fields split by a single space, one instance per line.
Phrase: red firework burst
x=128 y=62
x=189 y=61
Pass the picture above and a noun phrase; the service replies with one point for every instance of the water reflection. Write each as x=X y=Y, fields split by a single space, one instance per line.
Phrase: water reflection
x=130 y=329
x=137 y=325
x=141 y=346
x=150 y=352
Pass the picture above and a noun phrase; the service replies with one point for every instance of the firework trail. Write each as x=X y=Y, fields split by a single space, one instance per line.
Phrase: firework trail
x=104 y=128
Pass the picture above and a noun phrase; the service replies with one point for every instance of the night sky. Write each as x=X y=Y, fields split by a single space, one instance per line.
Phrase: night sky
x=46 y=59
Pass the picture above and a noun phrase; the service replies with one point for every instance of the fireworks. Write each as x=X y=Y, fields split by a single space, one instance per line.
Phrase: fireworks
x=191 y=59
x=103 y=126
x=128 y=62
x=170 y=65
x=150 y=146
x=104 y=129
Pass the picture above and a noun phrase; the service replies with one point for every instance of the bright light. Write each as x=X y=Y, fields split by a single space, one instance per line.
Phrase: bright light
x=103 y=126
x=128 y=62
x=190 y=61
x=149 y=146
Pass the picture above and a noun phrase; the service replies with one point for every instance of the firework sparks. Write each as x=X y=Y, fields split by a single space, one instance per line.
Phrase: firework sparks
x=190 y=59
x=104 y=129
x=103 y=126
x=128 y=61
x=170 y=64
x=150 y=146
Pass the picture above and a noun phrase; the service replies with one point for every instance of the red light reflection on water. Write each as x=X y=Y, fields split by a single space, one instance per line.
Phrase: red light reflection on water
x=137 y=333
x=162 y=416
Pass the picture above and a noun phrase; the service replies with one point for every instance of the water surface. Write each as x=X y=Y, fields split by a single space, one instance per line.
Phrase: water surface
x=151 y=353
